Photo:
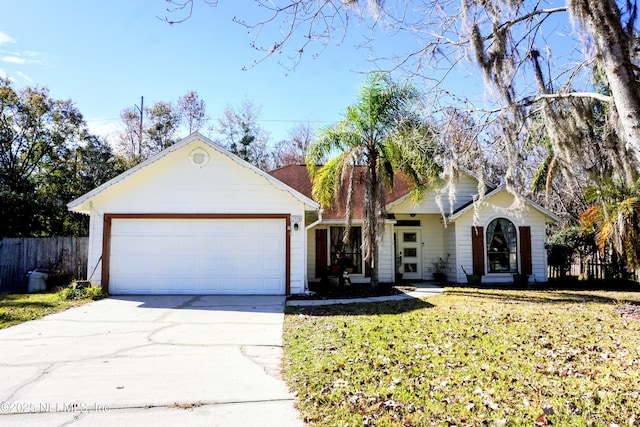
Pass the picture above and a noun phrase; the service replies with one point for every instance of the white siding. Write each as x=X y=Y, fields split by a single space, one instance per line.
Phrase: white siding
x=174 y=185
x=437 y=201
x=500 y=206
x=386 y=257
x=311 y=254
x=450 y=248
x=432 y=243
x=433 y=246
x=298 y=280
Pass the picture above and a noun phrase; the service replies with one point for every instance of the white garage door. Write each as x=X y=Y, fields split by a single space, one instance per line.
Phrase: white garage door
x=197 y=256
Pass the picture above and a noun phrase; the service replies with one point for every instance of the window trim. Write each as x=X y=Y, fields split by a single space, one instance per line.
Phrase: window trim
x=514 y=252
x=330 y=255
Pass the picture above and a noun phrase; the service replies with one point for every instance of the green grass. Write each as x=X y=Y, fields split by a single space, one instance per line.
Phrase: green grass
x=468 y=357
x=18 y=308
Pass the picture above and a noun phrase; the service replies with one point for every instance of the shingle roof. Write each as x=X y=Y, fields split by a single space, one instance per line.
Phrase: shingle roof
x=297 y=177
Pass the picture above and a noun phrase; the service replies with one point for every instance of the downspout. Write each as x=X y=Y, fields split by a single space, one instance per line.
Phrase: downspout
x=313 y=224
x=306 y=230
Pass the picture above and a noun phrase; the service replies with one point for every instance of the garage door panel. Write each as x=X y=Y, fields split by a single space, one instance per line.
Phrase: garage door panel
x=233 y=256
x=271 y=285
x=270 y=268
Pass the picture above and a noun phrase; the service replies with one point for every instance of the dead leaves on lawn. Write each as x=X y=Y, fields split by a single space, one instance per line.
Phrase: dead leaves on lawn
x=467 y=361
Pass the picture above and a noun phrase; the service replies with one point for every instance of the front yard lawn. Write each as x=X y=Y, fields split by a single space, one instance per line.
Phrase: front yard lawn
x=18 y=308
x=469 y=357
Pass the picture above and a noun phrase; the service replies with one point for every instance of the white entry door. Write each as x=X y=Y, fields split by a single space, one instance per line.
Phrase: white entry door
x=410 y=242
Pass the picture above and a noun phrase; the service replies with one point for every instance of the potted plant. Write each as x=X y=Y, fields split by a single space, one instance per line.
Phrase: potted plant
x=472 y=279
x=520 y=279
x=440 y=266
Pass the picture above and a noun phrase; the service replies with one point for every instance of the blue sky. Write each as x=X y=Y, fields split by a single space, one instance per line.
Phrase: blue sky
x=105 y=55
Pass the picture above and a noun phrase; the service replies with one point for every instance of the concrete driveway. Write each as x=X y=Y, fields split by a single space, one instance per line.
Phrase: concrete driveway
x=152 y=360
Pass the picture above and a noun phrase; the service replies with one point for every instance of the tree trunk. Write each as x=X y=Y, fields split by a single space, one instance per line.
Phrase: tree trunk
x=372 y=220
x=602 y=20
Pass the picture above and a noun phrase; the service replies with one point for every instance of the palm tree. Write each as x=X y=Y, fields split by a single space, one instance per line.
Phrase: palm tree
x=381 y=134
x=615 y=218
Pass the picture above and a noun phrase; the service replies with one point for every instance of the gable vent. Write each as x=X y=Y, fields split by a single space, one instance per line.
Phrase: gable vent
x=199 y=157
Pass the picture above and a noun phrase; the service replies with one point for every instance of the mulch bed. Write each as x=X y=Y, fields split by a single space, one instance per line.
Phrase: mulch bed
x=355 y=290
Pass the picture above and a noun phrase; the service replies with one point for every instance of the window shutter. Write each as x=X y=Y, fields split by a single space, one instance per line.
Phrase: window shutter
x=477 y=249
x=321 y=251
x=526 y=266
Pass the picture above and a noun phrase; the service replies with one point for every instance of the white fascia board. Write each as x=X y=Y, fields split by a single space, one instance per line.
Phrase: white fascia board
x=544 y=211
x=341 y=221
x=77 y=204
x=462 y=169
x=353 y=222
x=474 y=176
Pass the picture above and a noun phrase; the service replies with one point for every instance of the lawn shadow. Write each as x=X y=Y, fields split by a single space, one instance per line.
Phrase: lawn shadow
x=26 y=304
x=543 y=296
x=567 y=284
x=362 y=308
x=223 y=303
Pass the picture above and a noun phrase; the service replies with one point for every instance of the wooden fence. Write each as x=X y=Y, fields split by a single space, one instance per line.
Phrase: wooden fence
x=593 y=271
x=64 y=256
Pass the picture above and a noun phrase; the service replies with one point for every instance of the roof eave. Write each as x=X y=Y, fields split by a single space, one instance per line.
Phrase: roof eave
x=547 y=213
x=77 y=204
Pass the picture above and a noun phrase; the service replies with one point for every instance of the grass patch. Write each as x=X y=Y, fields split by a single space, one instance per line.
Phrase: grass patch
x=468 y=357
x=18 y=308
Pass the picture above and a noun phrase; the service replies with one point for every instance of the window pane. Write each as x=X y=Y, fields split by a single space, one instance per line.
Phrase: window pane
x=502 y=246
x=410 y=268
x=352 y=250
x=499 y=262
x=408 y=223
x=409 y=237
x=411 y=252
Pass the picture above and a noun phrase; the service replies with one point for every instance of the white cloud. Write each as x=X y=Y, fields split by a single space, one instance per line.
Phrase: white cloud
x=24 y=76
x=4 y=75
x=13 y=60
x=105 y=128
x=5 y=38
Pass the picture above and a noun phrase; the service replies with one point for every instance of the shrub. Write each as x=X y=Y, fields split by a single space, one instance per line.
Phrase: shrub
x=567 y=244
x=91 y=292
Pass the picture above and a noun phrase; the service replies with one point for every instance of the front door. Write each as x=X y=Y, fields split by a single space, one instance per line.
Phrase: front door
x=410 y=244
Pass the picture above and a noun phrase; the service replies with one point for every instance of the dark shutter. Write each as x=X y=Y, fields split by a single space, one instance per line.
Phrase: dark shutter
x=477 y=249
x=367 y=269
x=321 y=251
x=525 y=251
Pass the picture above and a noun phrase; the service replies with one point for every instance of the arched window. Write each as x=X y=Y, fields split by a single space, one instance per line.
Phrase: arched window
x=502 y=246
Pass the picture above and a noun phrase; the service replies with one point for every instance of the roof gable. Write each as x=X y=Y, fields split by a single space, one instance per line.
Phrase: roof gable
x=82 y=204
x=399 y=200
x=439 y=198
x=495 y=192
